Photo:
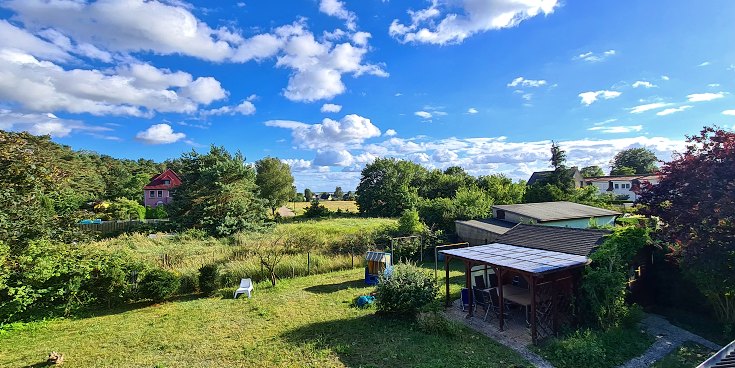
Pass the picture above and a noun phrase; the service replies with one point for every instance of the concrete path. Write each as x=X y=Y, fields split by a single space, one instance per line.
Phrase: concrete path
x=285 y=212
x=668 y=337
x=510 y=338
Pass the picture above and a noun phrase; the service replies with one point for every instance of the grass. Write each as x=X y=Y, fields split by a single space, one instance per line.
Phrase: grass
x=702 y=324
x=345 y=206
x=302 y=322
x=686 y=356
x=601 y=349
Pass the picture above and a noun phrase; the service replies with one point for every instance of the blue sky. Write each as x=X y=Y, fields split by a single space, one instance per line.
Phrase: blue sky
x=330 y=85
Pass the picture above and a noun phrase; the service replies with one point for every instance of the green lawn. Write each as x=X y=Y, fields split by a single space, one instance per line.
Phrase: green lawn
x=303 y=322
x=686 y=356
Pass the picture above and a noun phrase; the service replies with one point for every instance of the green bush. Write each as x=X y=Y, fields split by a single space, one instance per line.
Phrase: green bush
x=316 y=210
x=434 y=323
x=158 y=284
x=581 y=349
x=192 y=234
x=409 y=223
x=188 y=283
x=208 y=278
x=405 y=290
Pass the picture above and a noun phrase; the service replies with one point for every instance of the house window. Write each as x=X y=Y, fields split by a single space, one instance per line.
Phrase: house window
x=167 y=182
x=153 y=194
x=617 y=186
x=160 y=194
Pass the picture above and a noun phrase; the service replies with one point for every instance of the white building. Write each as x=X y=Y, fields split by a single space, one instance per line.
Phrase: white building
x=621 y=186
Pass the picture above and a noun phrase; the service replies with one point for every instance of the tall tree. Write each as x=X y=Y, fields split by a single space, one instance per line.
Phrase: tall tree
x=592 y=171
x=558 y=156
x=558 y=185
x=640 y=160
x=218 y=193
x=694 y=201
x=275 y=182
x=388 y=187
x=308 y=195
x=502 y=189
x=338 y=194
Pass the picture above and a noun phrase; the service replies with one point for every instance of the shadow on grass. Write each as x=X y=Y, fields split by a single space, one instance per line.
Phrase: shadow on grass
x=101 y=311
x=378 y=340
x=331 y=288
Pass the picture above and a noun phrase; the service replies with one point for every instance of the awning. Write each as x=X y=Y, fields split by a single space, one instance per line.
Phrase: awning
x=534 y=261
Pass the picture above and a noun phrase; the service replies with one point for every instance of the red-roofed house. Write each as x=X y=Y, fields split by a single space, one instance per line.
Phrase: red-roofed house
x=157 y=192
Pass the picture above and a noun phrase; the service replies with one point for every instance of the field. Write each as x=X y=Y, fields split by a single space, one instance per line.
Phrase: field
x=347 y=206
x=302 y=322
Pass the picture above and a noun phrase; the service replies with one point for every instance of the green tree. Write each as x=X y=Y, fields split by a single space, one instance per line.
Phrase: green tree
x=640 y=160
x=218 y=193
x=409 y=223
x=558 y=185
x=472 y=203
x=338 y=194
x=388 y=187
x=502 y=189
x=558 y=156
x=592 y=171
x=438 y=184
x=350 y=196
x=308 y=195
x=126 y=209
x=275 y=182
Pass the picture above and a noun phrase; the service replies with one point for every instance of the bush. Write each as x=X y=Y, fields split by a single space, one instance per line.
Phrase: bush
x=433 y=323
x=409 y=223
x=581 y=349
x=192 y=234
x=405 y=290
x=158 y=284
x=316 y=210
x=188 y=283
x=208 y=277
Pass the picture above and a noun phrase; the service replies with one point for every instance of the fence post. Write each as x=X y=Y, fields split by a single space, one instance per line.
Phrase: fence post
x=308 y=263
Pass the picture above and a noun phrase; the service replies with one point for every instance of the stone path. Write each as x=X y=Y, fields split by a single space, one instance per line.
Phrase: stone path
x=285 y=212
x=668 y=337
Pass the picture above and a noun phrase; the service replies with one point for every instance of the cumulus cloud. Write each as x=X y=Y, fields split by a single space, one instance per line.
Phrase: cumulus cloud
x=617 y=129
x=246 y=107
x=43 y=86
x=159 y=134
x=333 y=158
x=729 y=112
x=673 y=110
x=423 y=114
x=298 y=164
x=522 y=82
x=644 y=84
x=47 y=124
x=472 y=110
x=328 y=107
x=438 y=24
x=708 y=96
x=647 y=107
x=390 y=133
x=588 y=98
x=20 y=39
x=336 y=8
x=350 y=131
x=593 y=57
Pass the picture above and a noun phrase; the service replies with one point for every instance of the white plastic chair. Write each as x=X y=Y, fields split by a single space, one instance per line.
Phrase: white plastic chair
x=246 y=287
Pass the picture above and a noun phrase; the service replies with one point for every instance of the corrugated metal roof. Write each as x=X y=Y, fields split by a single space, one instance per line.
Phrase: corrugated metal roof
x=554 y=211
x=494 y=226
x=529 y=260
x=378 y=256
x=557 y=239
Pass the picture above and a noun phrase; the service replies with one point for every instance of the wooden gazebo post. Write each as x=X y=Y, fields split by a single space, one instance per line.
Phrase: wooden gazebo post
x=499 y=273
x=468 y=285
x=534 y=331
x=446 y=279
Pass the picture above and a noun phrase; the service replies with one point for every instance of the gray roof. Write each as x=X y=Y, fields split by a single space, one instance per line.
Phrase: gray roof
x=519 y=258
x=538 y=175
x=492 y=225
x=557 y=239
x=554 y=211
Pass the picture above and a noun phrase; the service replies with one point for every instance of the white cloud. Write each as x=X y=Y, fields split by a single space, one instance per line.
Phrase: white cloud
x=159 y=134
x=244 y=108
x=333 y=158
x=589 y=98
x=472 y=110
x=42 y=86
x=438 y=25
x=729 y=112
x=617 y=129
x=328 y=107
x=350 y=131
x=390 y=133
x=644 y=84
x=444 y=155
x=47 y=124
x=665 y=77
x=336 y=8
x=20 y=39
x=673 y=110
x=520 y=81
x=713 y=85
x=704 y=63
x=593 y=57
x=708 y=96
x=646 y=107
x=423 y=114
x=298 y=164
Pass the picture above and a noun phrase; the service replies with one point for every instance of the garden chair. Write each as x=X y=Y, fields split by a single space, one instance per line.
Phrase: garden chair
x=495 y=304
x=480 y=282
x=482 y=300
x=246 y=287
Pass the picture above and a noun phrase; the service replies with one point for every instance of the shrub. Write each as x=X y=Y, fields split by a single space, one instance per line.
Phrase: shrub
x=581 y=349
x=434 y=323
x=192 y=234
x=316 y=210
x=409 y=223
x=188 y=283
x=405 y=290
x=158 y=284
x=208 y=277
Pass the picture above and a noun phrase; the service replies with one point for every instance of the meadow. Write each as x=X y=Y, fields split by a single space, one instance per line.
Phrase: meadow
x=302 y=322
x=345 y=206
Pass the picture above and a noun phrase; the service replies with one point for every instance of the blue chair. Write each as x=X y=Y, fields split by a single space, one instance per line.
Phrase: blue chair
x=465 y=298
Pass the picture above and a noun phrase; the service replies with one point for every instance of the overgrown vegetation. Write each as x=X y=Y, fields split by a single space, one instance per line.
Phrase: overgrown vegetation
x=687 y=355
x=405 y=290
x=596 y=348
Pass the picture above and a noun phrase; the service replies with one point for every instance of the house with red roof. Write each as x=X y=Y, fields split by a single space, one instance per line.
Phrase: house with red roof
x=158 y=191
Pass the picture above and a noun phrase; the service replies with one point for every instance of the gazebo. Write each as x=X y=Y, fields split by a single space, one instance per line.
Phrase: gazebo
x=551 y=277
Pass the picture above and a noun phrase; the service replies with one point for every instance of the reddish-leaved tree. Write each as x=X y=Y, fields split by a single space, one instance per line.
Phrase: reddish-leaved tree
x=695 y=201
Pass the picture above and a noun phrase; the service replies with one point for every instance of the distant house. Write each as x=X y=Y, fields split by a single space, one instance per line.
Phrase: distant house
x=157 y=192
x=576 y=175
x=553 y=214
x=622 y=186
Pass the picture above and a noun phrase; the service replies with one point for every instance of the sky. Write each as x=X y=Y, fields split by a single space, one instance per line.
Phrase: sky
x=330 y=85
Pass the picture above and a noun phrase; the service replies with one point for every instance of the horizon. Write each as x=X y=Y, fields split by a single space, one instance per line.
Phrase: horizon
x=330 y=85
